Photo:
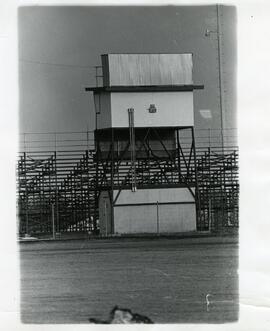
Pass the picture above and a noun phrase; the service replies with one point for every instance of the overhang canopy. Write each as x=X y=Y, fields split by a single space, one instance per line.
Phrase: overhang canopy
x=147 y=88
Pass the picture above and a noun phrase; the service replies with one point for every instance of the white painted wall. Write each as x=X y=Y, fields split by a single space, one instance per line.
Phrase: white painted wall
x=173 y=109
x=171 y=218
x=135 y=219
x=143 y=219
x=183 y=219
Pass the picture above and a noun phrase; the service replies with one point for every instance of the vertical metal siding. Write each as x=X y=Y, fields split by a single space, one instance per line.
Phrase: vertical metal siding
x=147 y=69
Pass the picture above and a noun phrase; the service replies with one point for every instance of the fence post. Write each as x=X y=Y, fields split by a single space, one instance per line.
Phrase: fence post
x=157 y=218
x=53 y=222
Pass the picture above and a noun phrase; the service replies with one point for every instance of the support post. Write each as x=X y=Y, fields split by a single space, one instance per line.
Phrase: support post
x=56 y=193
x=210 y=191
x=178 y=155
x=197 y=193
x=26 y=196
x=209 y=138
x=105 y=218
x=132 y=145
x=157 y=218
x=98 y=181
x=112 y=181
x=210 y=215
x=53 y=221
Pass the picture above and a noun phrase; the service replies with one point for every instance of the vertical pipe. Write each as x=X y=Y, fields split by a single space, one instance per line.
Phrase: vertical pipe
x=24 y=142
x=55 y=141
x=209 y=138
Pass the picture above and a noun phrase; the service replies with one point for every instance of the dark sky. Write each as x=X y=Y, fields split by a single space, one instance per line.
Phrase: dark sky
x=57 y=44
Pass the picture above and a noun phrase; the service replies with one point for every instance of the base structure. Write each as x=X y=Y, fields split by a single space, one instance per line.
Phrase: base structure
x=76 y=191
x=156 y=211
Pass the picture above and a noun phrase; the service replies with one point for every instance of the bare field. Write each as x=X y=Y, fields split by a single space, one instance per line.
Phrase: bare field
x=165 y=279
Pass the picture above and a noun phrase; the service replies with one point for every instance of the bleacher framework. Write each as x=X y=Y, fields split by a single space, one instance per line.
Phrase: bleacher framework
x=58 y=185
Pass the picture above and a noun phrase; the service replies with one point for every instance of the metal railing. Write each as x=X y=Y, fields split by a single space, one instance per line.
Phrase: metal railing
x=82 y=140
x=57 y=183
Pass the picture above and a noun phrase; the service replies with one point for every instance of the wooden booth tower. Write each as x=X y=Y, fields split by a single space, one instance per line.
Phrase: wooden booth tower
x=145 y=149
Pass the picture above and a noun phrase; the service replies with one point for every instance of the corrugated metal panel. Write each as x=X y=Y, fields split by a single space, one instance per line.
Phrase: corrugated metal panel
x=147 y=69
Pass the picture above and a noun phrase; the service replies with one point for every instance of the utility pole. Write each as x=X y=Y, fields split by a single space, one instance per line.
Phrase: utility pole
x=220 y=71
x=220 y=65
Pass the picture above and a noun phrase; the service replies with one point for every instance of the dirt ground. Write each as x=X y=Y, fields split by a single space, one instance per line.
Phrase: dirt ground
x=165 y=279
